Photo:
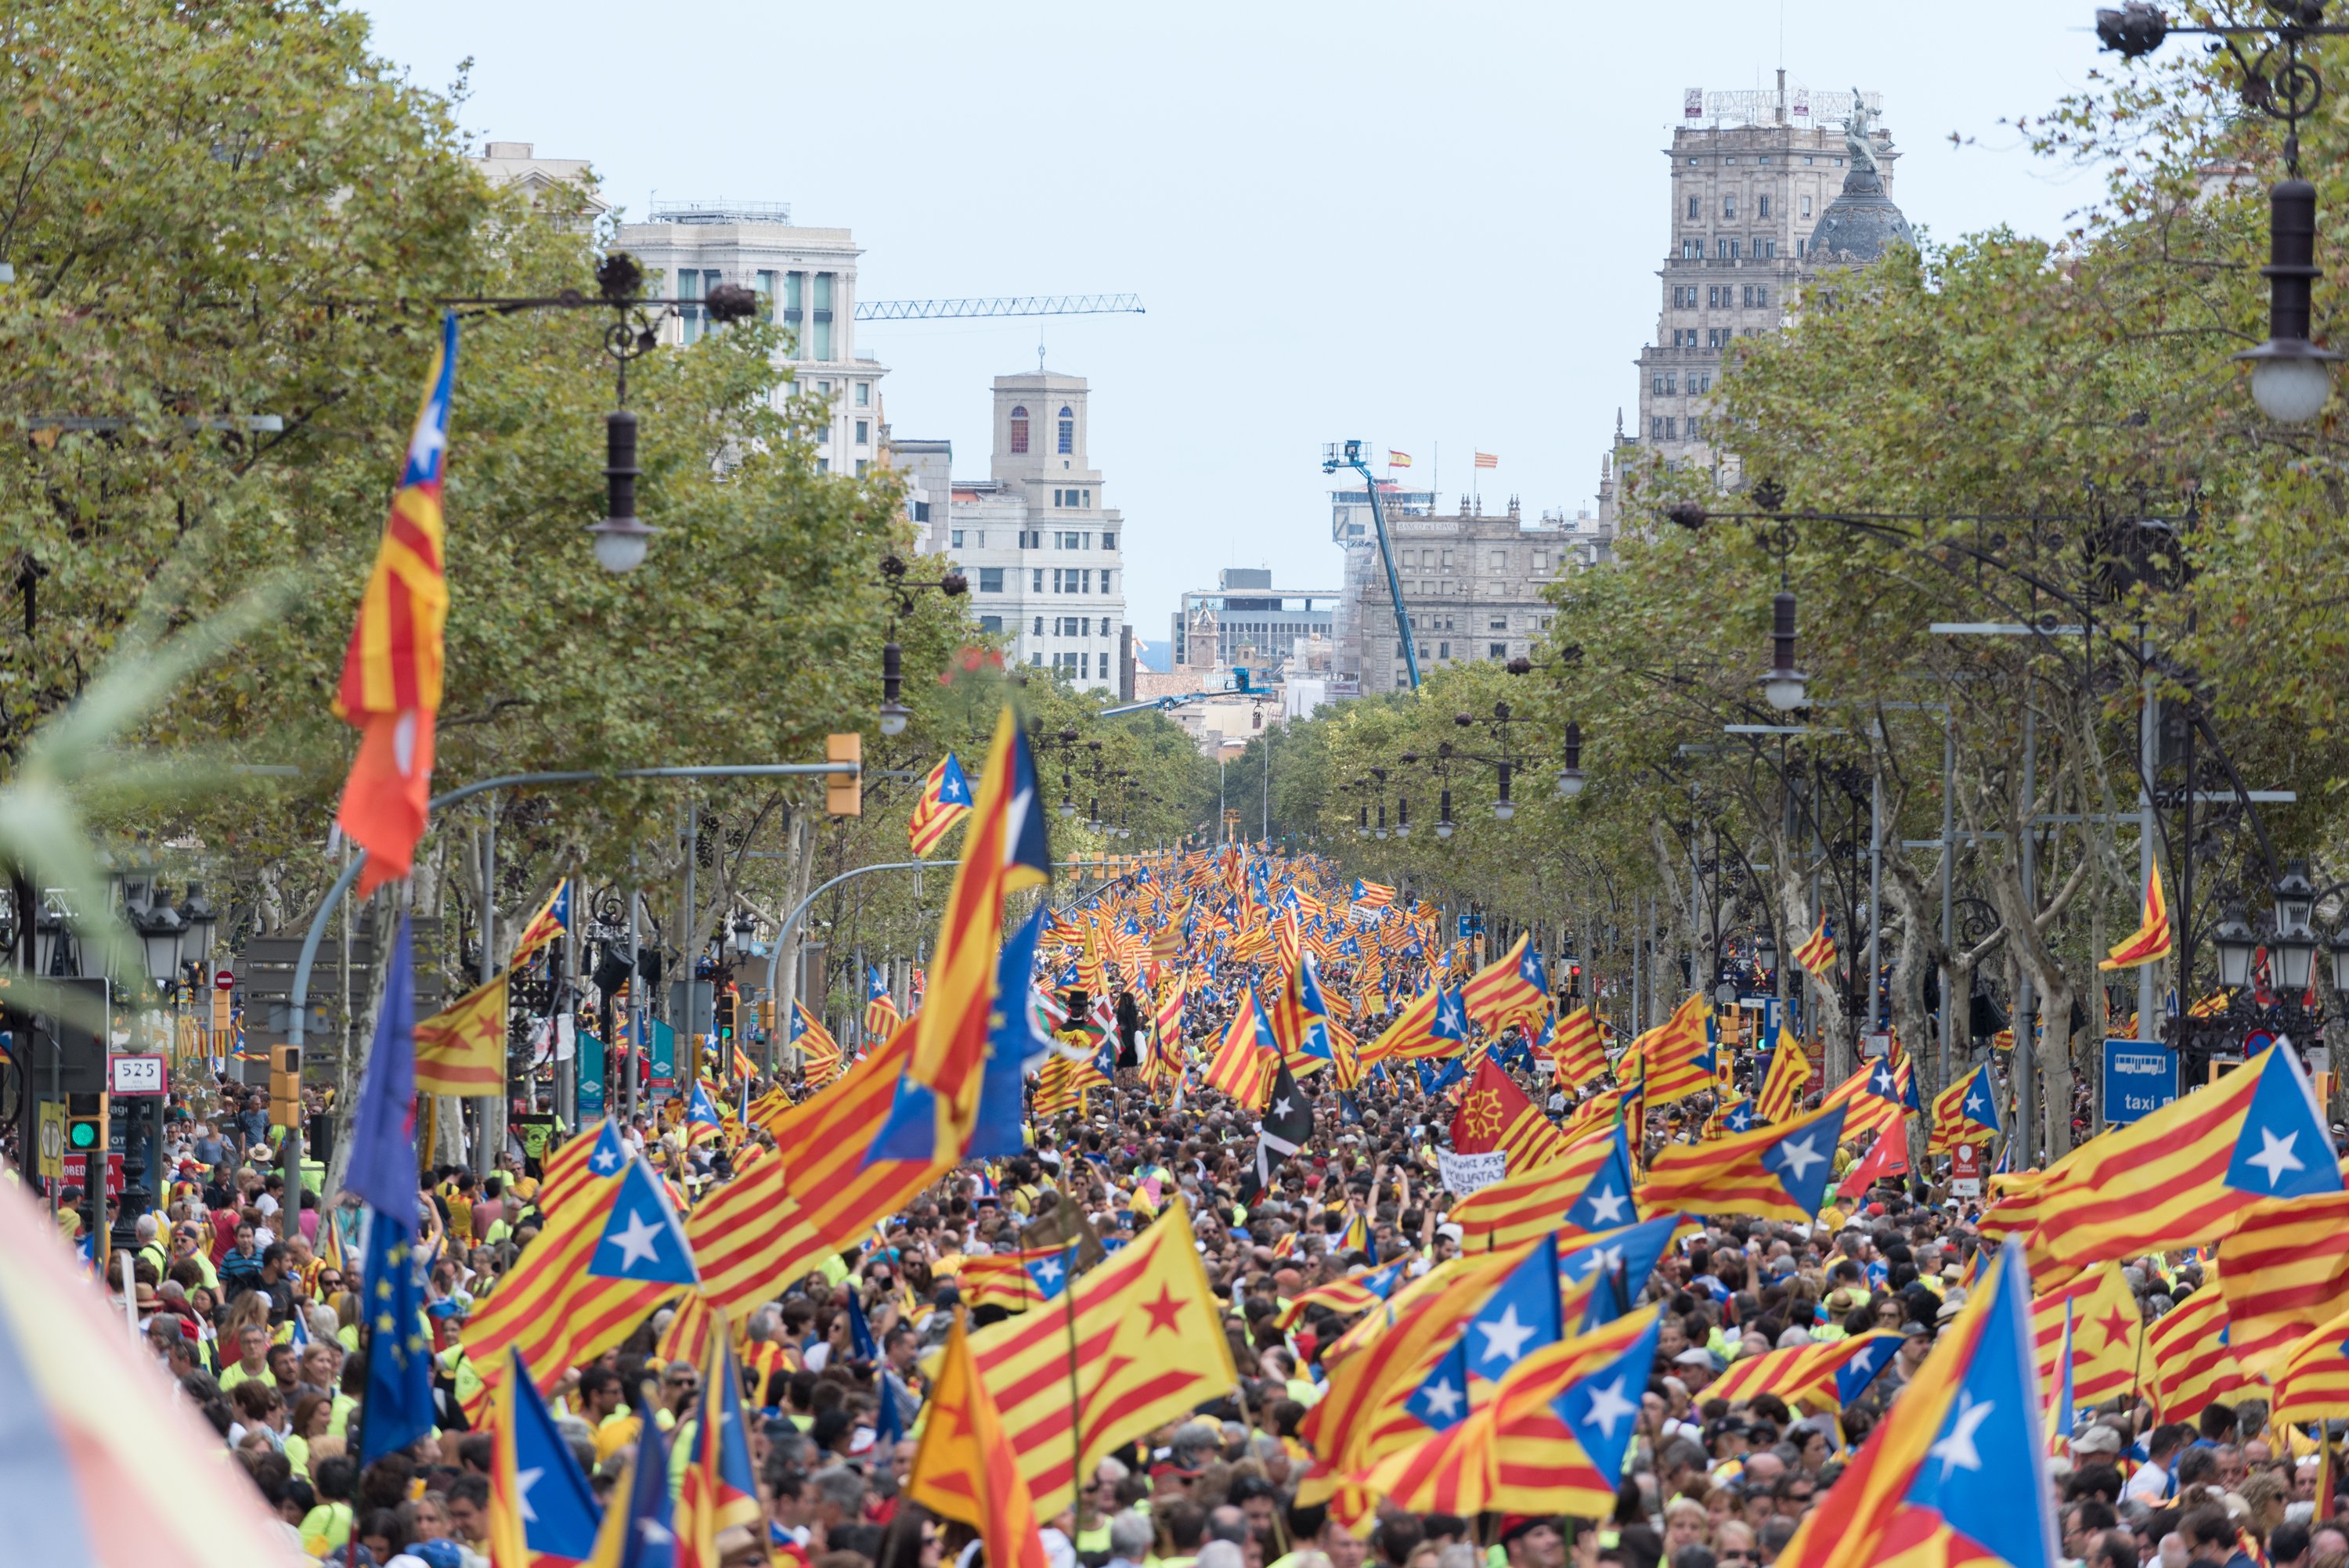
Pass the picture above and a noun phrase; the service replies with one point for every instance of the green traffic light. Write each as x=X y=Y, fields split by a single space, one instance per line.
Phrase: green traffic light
x=82 y=1135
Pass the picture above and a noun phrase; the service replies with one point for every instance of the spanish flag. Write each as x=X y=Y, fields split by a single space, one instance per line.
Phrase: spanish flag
x=390 y=687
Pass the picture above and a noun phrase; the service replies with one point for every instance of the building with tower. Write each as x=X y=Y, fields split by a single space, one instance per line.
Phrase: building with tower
x=1766 y=187
x=1037 y=539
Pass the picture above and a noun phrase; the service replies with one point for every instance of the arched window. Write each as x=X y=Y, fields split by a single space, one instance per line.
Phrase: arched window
x=1068 y=430
x=1019 y=430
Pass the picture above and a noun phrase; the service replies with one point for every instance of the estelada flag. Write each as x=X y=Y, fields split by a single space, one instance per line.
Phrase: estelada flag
x=944 y=801
x=2150 y=940
x=965 y=1469
x=1149 y=1348
x=2285 y=1271
x=462 y=1049
x=1676 y=1056
x=2312 y=1382
x=1512 y=985
x=1782 y=1089
x=390 y=685
x=546 y=927
x=1575 y=1046
x=1772 y=1172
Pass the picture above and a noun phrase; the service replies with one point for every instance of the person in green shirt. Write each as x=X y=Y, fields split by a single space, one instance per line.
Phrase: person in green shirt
x=252 y=1362
x=327 y=1527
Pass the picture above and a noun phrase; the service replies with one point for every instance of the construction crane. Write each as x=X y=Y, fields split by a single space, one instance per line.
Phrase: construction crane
x=1001 y=305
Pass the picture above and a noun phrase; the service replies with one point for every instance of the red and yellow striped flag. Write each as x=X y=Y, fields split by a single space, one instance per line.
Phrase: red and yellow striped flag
x=1575 y=1046
x=1803 y=1376
x=1526 y=1205
x=2312 y=1382
x=1781 y=1088
x=462 y=1049
x=2190 y=1360
x=547 y=927
x=1505 y=989
x=2108 y=1332
x=966 y=1469
x=1818 y=954
x=1149 y=1349
x=1675 y=1053
x=1248 y=1060
x=746 y=1233
x=2150 y=940
x=390 y=685
x=2285 y=1271
x=1001 y=1279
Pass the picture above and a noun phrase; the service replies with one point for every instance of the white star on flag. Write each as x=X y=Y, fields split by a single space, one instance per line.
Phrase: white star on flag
x=1443 y=1399
x=1505 y=1340
x=2275 y=1156
x=604 y=1159
x=1608 y=1406
x=1957 y=1451
x=525 y=1479
x=1801 y=1154
x=1607 y=1205
x=638 y=1242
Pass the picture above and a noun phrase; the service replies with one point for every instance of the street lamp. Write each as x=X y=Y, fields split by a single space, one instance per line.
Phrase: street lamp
x=1443 y=817
x=160 y=932
x=2292 y=377
x=202 y=920
x=2236 y=944
x=620 y=538
x=1782 y=684
x=953 y=584
x=1570 y=777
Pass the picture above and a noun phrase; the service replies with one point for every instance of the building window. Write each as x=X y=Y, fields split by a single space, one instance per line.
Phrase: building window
x=1761 y=206
x=1036 y=579
x=864 y=394
x=921 y=511
x=1109 y=541
x=762 y=284
x=860 y=467
x=1447 y=560
x=990 y=579
x=1729 y=206
x=1541 y=561
x=820 y=314
x=1766 y=248
x=990 y=623
x=1067 y=431
x=1691 y=250
x=1806 y=160
x=1497 y=624
x=1806 y=200
x=1500 y=561
x=1040 y=625
x=1693 y=211
x=954 y=538
x=1801 y=247
x=1019 y=430
x=863 y=428
x=1497 y=650
x=1671 y=428
x=1442 y=649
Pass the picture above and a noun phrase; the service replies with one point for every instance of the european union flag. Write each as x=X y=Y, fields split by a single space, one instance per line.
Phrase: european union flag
x=382 y=1167
x=861 y=1343
x=398 y=1407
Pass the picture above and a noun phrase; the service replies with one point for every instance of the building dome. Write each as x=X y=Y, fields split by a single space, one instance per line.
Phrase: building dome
x=1859 y=225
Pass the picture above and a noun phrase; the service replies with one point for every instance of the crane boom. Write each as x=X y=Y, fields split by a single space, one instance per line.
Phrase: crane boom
x=1000 y=305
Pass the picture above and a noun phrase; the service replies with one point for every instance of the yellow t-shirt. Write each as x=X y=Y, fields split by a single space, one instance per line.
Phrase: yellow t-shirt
x=234 y=1372
x=616 y=1432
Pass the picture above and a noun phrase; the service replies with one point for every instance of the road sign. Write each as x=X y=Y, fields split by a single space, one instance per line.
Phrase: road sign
x=223 y=981
x=53 y=1139
x=2141 y=1077
x=139 y=1075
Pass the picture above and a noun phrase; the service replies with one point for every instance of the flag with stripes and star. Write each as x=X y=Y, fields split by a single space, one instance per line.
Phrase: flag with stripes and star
x=945 y=801
x=1777 y=1173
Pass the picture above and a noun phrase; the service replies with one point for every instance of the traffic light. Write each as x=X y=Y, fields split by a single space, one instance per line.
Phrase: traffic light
x=766 y=1017
x=843 y=793
x=285 y=1086
x=726 y=1015
x=85 y=1123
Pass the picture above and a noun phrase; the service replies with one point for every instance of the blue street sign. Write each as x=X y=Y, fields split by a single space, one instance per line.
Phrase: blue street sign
x=2141 y=1077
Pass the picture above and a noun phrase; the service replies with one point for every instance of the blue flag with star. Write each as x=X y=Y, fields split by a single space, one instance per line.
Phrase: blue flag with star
x=610 y=1152
x=559 y=1516
x=1521 y=1315
x=642 y=1240
x=2283 y=1150
x=1601 y=1408
x=1052 y=1275
x=1803 y=1162
x=1451 y=1022
x=1628 y=1256
x=399 y=1406
x=1605 y=1201
x=1985 y=1473
x=649 y=1534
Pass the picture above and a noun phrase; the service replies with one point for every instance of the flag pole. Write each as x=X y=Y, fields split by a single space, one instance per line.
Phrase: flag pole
x=1076 y=1400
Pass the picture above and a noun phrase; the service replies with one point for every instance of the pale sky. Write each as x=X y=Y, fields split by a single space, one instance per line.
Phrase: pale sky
x=1417 y=224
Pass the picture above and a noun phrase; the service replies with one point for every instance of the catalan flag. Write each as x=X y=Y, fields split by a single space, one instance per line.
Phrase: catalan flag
x=702 y=1123
x=1016 y=1280
x=1244 y=1063
x=881 y=1016
x=1677 y=1057
x=1434 y=1024
x=547 y=927
x=462 y=1049
x=2186 y=1175
x=1167 y=1016
x=1825 y=1375
x=1776 y=1172
x=1575 y=1046
x=968 y=1468
x=1957 y=1471
x=720 y=1491
x=1817 y=954
x=2150 y=941
x=1354 y=1293
x=1552 y=1438
x=2285 y=1271
x=2190 y=1361
x=2312 y=1381
x=1965 y=1112
x=1370 y=895
x=1063 y=1083
x=390 y=685
x=1005 y=850
x=1488 y=461
x=1149 y=1349
x=542 y=1510
x=820 y=1054
x=1496 y=1114
x=2098 y=1315
x=945 y=801
x=1586 y=1191
x=1300 y=1020
x=1512 y=986
x=1782 y=1086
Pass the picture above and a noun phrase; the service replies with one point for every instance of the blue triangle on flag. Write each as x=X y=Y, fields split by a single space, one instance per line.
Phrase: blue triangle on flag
x=642 y=1239
x=2283 y=1150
